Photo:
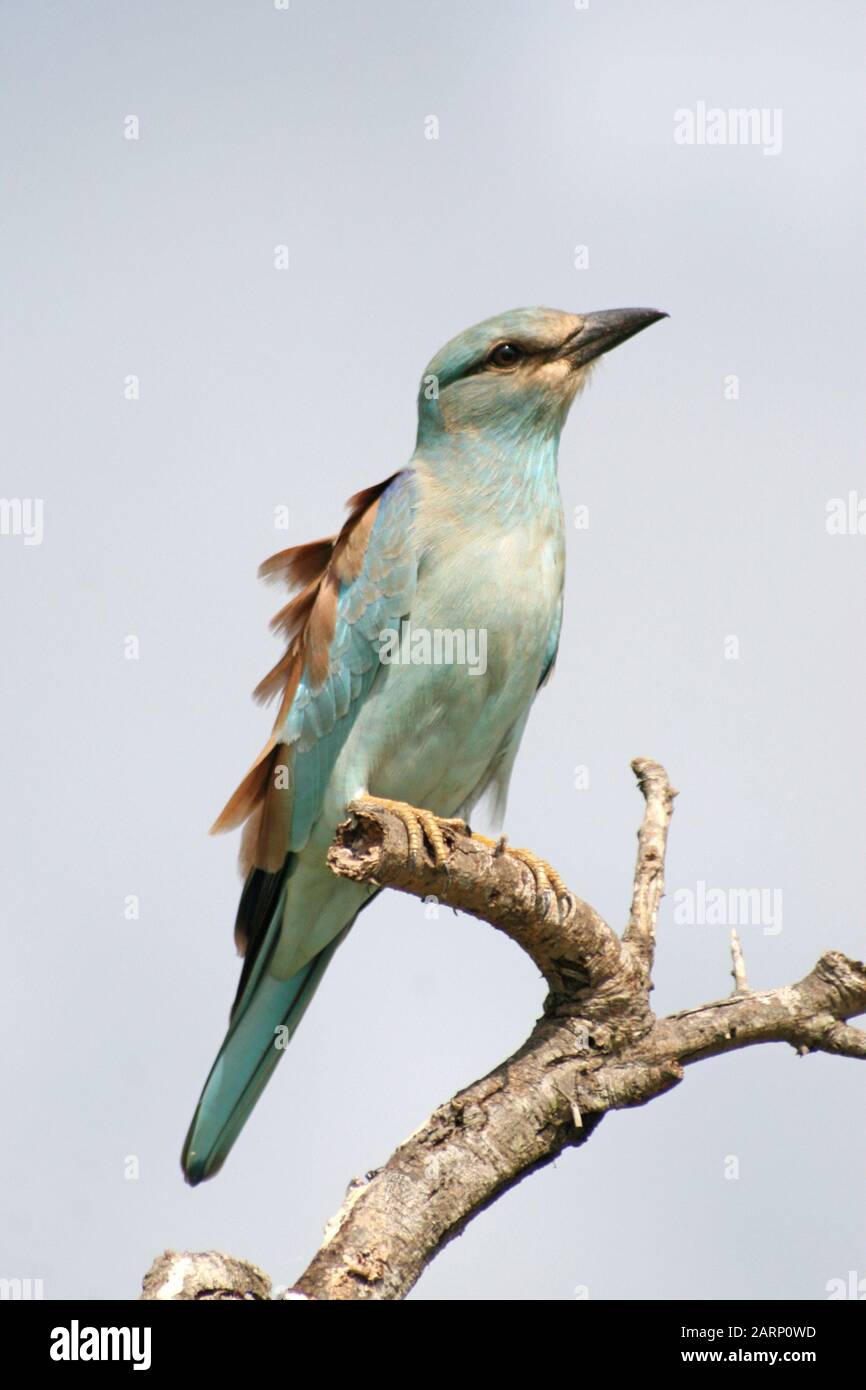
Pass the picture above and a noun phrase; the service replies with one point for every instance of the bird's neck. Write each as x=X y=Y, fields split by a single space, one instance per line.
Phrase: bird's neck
x=498 y=480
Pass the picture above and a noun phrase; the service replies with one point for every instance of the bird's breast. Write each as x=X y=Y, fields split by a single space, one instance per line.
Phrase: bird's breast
x=506 y=583
x=464 y=664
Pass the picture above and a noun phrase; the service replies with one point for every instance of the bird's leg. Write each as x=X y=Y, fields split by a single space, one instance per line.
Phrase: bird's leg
x=418 y=823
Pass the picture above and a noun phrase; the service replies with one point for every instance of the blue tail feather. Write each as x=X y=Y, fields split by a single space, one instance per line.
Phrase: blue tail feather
x=250 y=1052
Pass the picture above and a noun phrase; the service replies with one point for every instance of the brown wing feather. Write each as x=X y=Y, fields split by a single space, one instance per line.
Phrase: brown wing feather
x=265 y=839
x=264 y=799
x=299 y=564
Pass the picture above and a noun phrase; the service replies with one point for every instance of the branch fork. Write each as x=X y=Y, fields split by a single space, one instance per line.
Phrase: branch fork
x=597 y=1046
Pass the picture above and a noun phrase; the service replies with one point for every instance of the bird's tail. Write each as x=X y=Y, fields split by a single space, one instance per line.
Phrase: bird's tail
x=266 y=1014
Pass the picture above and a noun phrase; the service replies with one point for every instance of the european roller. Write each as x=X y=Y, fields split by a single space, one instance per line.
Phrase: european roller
x=469 y=538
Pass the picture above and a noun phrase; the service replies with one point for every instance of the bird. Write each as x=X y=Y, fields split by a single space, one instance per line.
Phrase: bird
x=467 y=537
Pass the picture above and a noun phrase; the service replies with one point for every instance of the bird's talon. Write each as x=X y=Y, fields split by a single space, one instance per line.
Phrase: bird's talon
x=547 y=880
x=420 y=825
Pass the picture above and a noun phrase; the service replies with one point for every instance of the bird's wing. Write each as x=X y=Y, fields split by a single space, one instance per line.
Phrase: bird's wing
x=552 y=646
x=352 y=586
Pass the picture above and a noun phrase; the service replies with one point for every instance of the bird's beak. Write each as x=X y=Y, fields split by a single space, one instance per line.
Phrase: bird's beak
x=600 y=332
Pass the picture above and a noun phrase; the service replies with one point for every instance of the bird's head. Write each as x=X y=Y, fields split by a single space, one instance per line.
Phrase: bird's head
x=518 y=373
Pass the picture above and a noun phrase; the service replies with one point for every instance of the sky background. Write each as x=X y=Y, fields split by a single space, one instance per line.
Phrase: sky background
x=262 y=388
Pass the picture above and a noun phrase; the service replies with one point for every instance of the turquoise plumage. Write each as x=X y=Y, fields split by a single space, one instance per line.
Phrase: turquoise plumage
x=468 y=539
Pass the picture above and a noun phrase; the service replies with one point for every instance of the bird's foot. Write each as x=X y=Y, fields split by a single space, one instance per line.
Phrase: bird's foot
x=547 y=880
x=420 y=823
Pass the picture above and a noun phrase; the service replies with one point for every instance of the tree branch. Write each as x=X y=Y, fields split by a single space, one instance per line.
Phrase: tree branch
x=597 y=1046
x=566 y=939
x=649 y=878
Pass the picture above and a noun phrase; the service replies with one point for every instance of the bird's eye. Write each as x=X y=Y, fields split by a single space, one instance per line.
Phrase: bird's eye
x=505 y=355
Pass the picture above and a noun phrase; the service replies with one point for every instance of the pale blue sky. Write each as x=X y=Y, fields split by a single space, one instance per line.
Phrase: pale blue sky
x=260 y=388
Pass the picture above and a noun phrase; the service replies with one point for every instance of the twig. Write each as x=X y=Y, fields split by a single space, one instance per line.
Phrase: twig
x=738 y=967
x=649 y=881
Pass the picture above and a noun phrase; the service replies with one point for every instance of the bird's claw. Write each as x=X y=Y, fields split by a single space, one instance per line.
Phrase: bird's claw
x=547 y=880
x=420 y=823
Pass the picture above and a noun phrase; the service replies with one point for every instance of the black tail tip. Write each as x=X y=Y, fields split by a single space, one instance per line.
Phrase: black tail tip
x=194 y=1168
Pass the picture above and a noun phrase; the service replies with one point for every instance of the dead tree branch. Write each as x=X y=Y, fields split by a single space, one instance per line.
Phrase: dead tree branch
x=597 y=1047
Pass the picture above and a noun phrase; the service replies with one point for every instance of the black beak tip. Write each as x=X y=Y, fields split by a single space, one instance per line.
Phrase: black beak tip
x=648 y=316
x=606 y=329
